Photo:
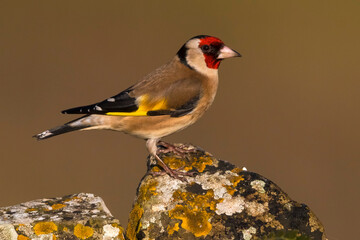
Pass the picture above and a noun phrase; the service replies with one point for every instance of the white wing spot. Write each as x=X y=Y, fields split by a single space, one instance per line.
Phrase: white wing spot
x=111 y=99
x=44 y=134
x=98 y=108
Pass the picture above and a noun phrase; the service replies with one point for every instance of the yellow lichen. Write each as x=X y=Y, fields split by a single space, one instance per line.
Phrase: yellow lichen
x=22 y=237
x=44 y=228
x=65 y=229
x=83 y=232
x=54 y=237
x=195 y=211
x=173 y=229
x=58 y=206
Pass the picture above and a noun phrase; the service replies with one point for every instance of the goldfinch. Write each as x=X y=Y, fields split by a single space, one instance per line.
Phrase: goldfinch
x=165 y=101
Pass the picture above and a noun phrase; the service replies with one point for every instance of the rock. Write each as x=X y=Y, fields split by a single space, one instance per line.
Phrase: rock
x=78 y=216
x=220 y=202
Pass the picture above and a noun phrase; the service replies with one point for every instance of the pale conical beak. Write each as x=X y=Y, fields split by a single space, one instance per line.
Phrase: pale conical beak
x=226 y=52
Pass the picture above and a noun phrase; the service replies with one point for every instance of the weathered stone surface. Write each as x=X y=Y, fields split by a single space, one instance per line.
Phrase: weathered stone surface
x=78 y=216
x=220 y=202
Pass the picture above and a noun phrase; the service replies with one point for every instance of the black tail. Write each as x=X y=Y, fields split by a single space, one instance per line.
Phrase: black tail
x=74 y=125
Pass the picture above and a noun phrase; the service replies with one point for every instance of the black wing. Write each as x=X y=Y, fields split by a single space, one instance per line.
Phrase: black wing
x=121 y=102
x=175 y=99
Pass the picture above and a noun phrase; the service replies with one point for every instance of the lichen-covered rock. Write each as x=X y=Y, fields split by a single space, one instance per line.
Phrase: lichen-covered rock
x=220 y=201
x=78 y=216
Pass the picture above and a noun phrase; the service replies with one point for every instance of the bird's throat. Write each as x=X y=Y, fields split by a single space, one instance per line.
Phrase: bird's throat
x=212 y=62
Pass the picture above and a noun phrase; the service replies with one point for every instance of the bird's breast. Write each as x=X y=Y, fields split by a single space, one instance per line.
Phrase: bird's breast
x=209 y=89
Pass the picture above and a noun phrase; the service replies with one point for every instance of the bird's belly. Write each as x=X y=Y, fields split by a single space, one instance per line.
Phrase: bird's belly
x=153 y=127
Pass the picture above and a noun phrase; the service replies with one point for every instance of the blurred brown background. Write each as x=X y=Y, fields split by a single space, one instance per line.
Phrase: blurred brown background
x=288 y=109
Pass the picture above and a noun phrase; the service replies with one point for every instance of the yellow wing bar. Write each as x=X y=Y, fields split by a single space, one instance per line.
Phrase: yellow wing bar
x=144 y=107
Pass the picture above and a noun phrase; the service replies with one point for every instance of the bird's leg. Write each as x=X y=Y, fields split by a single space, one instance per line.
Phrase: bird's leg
x=168 y=147
x=151 y=146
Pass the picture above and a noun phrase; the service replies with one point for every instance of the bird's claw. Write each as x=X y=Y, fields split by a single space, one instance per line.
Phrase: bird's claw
x=178 y=150
x=175 y=173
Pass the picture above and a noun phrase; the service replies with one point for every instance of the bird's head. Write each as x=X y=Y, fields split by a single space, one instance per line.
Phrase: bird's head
x=204 y=53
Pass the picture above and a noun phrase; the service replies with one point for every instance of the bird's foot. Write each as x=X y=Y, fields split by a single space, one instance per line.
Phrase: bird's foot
x=178 y=150
x=175 y=173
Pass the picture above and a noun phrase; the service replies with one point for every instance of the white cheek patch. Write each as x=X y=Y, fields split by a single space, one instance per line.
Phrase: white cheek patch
x=193 y=44
x=195 y=58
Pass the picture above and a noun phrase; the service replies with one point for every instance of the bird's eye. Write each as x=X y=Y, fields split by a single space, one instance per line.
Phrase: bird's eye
x=205 y=48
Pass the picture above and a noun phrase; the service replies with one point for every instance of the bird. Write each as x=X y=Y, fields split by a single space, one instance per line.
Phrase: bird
x=169 y=99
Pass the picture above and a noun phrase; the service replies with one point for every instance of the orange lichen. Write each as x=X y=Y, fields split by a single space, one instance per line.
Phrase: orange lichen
x=234 y=182
x=44 y=228
x=195 y=222
x=230 y=189
x=121 y=232
x=145 y=192
x=22 y=237
x=199 y=163
x=54 y=237
x=20 y=225
x=150 y=190
x=30 y=210
x=156 y=169
x=174 y=163
x=195 y=211
x=71 y=199
x=173 y=229
x=134 y=222
x=236 y=170
x=65 y=229
x=83 y=232
x=58 y=206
